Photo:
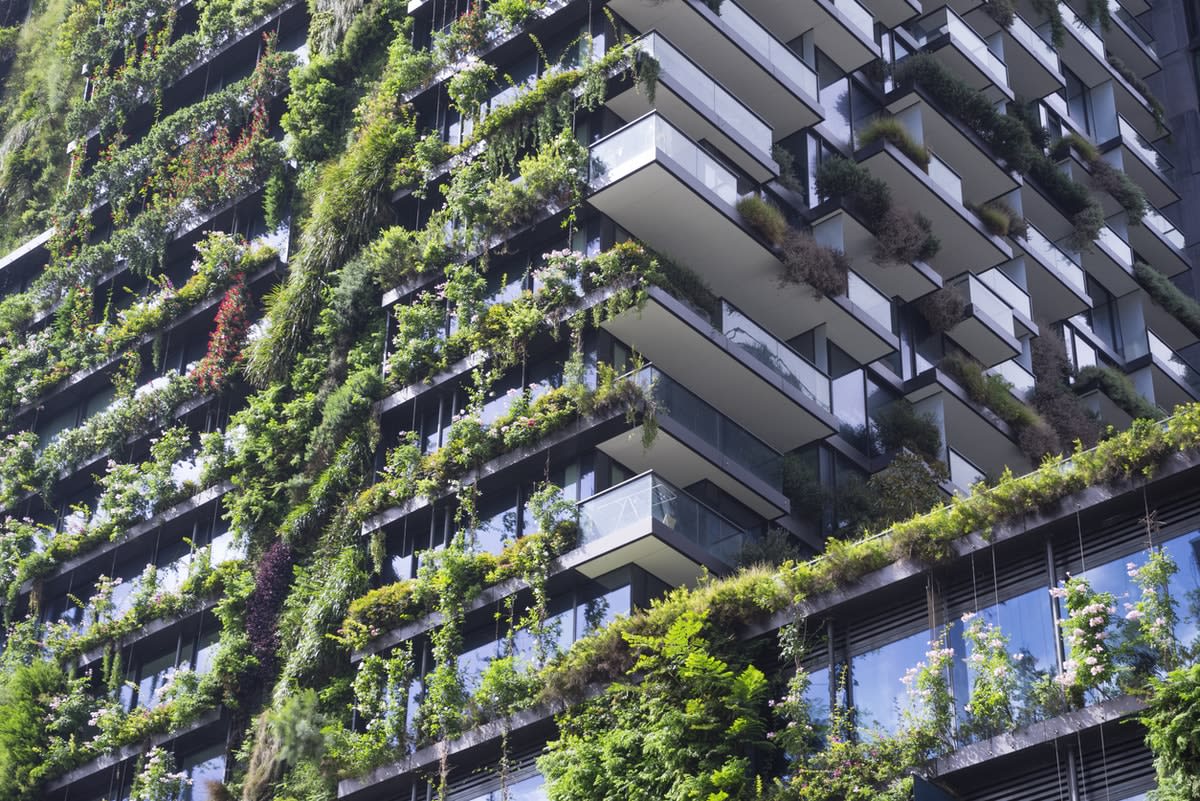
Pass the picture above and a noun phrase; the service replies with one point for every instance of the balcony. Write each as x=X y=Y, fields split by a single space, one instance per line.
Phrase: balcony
x=1052 y=276
x=739 y=53
x=893 y=12
x=649 y=522
x=1017 y=375
x=962 y=51
x=735 y=364
x=695 y=442
x=975 y=434
x=937 y=195
x=655 y=182
x=988 y=332
x=1130 y=42
x=1110 y=261
x=843 y=231
x=1082 y=50
x=1160 y=243
x=844 y=29
x=1161 y=374
x=1132 y=153
x=1033 y=64
x=950 y=143
x=702 y=108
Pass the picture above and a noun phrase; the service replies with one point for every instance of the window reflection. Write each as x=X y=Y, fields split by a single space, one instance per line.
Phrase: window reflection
x=877 y=691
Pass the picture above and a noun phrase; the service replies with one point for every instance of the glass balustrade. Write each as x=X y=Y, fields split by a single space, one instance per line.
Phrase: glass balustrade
x=945 y=176
x=1055 y=258
x=645 y=498
x=786 y=363
x=1140 y=145
x=858 y=16
x=963 y=474
x=1014 y=373
x=1118 y=246
x=987 y=302
x=870 y=300
x=1164 y=227
x=644 y=140
x=1009 y=291
x=1091 y=40
x=1117 y=10
x=676 y=402
x=1172 y=361
x=768 y=48
x=1028 y=37
x=947 y=23
x=719 y=103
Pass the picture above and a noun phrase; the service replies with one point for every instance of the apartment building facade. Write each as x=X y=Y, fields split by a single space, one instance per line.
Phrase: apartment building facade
x=586 y=302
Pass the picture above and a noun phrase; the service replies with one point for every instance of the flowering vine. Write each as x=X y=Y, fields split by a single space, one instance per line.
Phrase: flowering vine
x=1090 y=660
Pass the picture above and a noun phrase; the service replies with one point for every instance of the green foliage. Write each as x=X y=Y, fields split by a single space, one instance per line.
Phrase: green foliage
x=806 y=261
x=764 y=217
x=1172 y=721
x=1163 y=291
x=1119 y=389
x=891 y=130
x=694 y=726
x=26 y=724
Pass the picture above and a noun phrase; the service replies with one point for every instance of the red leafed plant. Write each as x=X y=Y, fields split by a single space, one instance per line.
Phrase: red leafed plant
x=225 y=345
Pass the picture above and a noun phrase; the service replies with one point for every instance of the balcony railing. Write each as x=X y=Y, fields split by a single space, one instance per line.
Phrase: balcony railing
x=946 y=22
x=1014 y=373
x=1171 y=361
x=769 y=49
x=762 y=346
x=1164 y=227
x=676 y=402
x=963 y=473
x=1119 y=247
x=1027 y=36
x=1015 y=296
x=1053 y=256
x=1091 y=40
x=945 y=176
x=984 y=300
x=646 y=498
x=1117 y=10
x=718 y=101
x=640 y=142
x=869 y=299
x=1139 y=144
x=857 y=15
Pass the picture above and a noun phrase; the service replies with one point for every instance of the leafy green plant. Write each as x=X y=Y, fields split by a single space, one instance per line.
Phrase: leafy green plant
x=1172 y=721
x=1164 y=292
x=1119 y=389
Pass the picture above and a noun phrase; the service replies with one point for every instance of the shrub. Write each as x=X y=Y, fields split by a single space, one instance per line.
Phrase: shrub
x=1172 y=721
x=1062 y=148
x=1161 y=289
x=806 y=261
x=764 y=217
x=903 y=237
x=943 y=308
x=866 y=194
x=1120 y=390
x=1122 y=188
x=1002 y=12
x=1002 y=219
x=890 y=129
x=787 y=168
x=1132 y=78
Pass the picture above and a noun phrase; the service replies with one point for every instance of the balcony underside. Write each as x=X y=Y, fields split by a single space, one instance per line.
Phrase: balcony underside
x=906 y=281
x=704 y=361
x=986 y=180
x=1032 y=76
x=966 y=429
x=959 y=231
x=676 y=456
x=784 y=105
x=983 y=338
x=1109 y=269
x=697 y=229
x=672 y=104
x=1157 y=250
x=652 y=546
x=1053 y=290
x=892 y=12
x=834 y=34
